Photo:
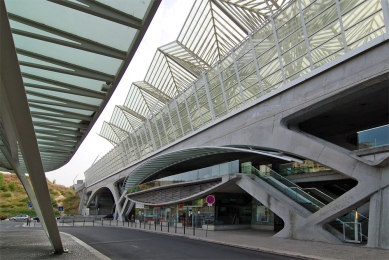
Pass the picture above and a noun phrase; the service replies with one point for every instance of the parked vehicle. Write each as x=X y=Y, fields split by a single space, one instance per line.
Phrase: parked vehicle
x=67 y=216
x=108 y=217
x=19 y=217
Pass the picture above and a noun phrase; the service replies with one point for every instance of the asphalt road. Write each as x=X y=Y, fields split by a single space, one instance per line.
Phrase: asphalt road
x=117 y=243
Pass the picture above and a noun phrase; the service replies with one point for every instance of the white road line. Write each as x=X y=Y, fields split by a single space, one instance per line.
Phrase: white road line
x=121 y=241
x=17 y=225
x=135 y=246
x=7 y=226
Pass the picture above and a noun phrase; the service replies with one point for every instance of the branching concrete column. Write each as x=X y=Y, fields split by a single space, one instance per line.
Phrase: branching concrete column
x=114 y=188
x=379 y=220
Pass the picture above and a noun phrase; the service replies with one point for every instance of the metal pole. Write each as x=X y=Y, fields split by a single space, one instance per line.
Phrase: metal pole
x=155 y=223
x=356 y=225
x=168 y=227
x=84 y=223
x=194 y=224
x=93 y=222
x=206 y=232
x=117 y=222
x=73 y=222
x=128 y=224
x=110 y=222
x=160 y=222
x=184 y=228
x=140 y=224
x=175 y=226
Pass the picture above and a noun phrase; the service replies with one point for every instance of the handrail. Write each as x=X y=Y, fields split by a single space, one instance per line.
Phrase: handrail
x=301 y=193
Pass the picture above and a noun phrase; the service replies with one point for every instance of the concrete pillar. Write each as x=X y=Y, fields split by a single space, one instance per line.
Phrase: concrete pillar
x=379 y=220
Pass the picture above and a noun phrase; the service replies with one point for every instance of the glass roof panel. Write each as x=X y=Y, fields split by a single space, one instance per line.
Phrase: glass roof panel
x=66 y=54
x=70 y=79
x=135 y=8
x=71 y=97
x=75 y=22
x=24 y=27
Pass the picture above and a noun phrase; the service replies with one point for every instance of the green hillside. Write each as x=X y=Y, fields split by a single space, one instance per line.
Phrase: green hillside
x=14 y=199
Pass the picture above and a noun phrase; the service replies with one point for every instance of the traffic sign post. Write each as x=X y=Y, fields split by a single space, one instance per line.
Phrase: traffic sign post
x=60 y=208
x=30 y=206
x=210 y=199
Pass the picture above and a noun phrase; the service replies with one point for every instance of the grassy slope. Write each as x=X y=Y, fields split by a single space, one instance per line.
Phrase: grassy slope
x=14 y=199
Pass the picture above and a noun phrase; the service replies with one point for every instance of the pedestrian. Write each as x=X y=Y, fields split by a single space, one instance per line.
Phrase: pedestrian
x=132 y=218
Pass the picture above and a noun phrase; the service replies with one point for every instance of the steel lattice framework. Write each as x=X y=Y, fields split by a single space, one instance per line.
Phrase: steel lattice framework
x=220 y=63
x=211 y=30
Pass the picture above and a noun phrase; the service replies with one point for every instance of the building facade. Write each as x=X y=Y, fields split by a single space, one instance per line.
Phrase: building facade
x=281 y=115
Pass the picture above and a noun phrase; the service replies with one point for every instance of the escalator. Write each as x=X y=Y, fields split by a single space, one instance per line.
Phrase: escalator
x=346 y=224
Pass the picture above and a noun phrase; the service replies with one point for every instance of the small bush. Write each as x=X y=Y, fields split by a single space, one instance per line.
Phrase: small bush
x=53 y=202
x=25 y=199
x=7 y=195
x=55 y=192
x=12 y=186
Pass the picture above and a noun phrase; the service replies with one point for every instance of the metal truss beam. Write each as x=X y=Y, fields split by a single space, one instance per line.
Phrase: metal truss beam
x=75 y=135
x=115 y=127
x=81 y=43
x=72 y=69
x=63 y=114
x=132 y=112
x=56 y=142
x=156 y=93
x=59 y=122
x=65 y=88
x=109 y=140
x=56 y=138
x=231 y=17
x=103 y=11
x=62 y=102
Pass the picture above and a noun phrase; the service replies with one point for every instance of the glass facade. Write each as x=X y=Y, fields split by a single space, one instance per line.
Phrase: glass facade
x=300 y=168
x=374 y=137
x=229 y=209
x=204 y=173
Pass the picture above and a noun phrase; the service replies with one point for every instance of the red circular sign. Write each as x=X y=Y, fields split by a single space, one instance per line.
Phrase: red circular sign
x=210 y=199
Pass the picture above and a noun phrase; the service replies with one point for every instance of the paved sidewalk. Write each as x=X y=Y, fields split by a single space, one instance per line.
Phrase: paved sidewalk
x=34 y=244
x=255 y=240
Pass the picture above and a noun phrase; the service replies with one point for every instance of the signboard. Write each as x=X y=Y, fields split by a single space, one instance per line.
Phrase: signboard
x=210 y=199
x=60 y=208
x=139 y=206
x=29 y=206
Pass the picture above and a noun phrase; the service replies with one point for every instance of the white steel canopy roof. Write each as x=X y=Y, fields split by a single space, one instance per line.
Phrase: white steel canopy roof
x=158 y=163
x=211 y=30
x=72 y=55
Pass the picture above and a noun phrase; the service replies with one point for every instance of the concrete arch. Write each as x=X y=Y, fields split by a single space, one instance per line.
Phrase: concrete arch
x=101 y=202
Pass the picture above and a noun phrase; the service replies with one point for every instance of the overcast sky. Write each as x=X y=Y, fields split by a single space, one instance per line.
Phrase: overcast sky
x=163 y=29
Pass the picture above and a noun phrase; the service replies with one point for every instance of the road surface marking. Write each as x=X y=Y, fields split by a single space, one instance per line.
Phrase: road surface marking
x=120 y=241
